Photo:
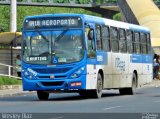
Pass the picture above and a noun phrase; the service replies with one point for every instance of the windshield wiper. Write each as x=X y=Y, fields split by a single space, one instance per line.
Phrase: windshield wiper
x=36 y=29
x=61 y=35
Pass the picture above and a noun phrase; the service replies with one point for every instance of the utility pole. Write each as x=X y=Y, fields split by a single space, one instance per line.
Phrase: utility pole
x=13 y=24
x=13 y=16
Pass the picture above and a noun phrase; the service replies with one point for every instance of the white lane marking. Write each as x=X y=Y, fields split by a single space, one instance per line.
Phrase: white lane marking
x=57 y=118
x=111 y=108
x=157 y=101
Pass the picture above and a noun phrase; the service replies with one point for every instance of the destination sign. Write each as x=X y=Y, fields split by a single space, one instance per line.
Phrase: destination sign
x=52 y=22
x=36 y=58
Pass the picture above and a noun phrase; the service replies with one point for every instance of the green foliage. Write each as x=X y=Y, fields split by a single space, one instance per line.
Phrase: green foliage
x=117 y=17
x=75 y=1
x=156 y=0
x=111 y=1
x=83 y=1
x=23 y=11
x=4 y=17
x=9 y=81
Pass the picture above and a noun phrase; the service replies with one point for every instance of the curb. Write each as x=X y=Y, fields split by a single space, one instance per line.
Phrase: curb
x=4 y=87
x=16 y=94
x=13 y=90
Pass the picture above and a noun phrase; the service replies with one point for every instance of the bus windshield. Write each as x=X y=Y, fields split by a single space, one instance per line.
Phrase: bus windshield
x=53 y=47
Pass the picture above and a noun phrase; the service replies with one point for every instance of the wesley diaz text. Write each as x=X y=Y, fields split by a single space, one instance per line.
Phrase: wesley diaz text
x=16 y=116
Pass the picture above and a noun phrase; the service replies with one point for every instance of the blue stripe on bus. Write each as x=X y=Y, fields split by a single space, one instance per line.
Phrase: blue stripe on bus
x=101 y=59
x=141 y=58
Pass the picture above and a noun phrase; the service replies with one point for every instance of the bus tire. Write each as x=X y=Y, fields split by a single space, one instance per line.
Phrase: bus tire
x=42 y=95
x=98 y=92
x=130 y=91
x=83 y=93
x=134 y=84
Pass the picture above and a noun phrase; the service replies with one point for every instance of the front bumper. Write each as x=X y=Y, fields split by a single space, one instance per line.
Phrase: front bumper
x=51 y=84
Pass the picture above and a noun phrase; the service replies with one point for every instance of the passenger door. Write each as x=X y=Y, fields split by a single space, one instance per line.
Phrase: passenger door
x=91 y=76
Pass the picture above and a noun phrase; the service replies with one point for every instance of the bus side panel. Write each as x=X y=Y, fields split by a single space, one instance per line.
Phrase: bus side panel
x=148 y=71
x=91 y=76
x=108 y=72
x=120 y=69
x=147 y=68
x=137 y=66
x=143 y=65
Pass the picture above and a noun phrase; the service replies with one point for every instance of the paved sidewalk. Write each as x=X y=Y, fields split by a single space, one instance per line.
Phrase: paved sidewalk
x=154 y=83
x=17 y=90
x=12 y=90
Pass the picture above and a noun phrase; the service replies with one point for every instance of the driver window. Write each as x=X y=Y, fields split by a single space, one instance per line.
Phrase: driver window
x=91 y=50
x=39 y=45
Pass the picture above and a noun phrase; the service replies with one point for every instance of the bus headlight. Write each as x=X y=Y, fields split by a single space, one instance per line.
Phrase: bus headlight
x=78 y=73
x=26 y=73
x=29 y=73
x=30 y=77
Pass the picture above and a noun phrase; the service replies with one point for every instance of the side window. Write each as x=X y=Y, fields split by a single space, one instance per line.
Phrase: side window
x=149 y=49
x=98 y=37
x=129 y=37
x=137 y=49
x=91 y=50
x=144 y=43
x=105 y=38
x=114 y=39
x=122 y=41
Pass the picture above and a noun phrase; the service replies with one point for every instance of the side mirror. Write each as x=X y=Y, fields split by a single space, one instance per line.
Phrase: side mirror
x=91 y=34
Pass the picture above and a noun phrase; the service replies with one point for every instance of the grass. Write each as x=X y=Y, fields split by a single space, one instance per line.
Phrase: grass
x=9 y=81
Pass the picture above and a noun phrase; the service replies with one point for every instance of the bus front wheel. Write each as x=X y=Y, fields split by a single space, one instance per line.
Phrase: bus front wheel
x=98 y=92
x=42 y=95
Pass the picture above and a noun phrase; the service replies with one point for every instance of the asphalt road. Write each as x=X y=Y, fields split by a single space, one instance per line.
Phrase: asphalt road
x=146 y=100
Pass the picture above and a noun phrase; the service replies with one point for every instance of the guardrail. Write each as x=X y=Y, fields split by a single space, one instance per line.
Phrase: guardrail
x=9 y=71
x=67 y=3
x=63 y=3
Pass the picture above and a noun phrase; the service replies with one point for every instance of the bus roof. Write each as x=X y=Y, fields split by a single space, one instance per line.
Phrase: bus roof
x=97 y=19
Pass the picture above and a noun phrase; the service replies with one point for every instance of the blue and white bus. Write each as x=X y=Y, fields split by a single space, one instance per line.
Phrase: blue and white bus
x=84 y=54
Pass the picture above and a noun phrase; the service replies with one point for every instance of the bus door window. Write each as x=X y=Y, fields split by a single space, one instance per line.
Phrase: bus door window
x=105 y=38
x=114 y=39
x=91 y=50
x=137 y=49
x=98 y=38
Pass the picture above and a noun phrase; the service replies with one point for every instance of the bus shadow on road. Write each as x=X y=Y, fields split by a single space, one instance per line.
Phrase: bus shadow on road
x=76 y=97
x=55 y=97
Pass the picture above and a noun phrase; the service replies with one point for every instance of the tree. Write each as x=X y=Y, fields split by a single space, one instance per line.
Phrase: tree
x=4 y=17
x=24 y=11
x=117 y=17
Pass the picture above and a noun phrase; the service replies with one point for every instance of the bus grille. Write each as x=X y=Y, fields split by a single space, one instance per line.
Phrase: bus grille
x=52 y=83
x=55 y=77
x=52 y=70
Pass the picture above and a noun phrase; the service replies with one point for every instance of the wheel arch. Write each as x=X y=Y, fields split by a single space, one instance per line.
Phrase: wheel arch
x=102 y=75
